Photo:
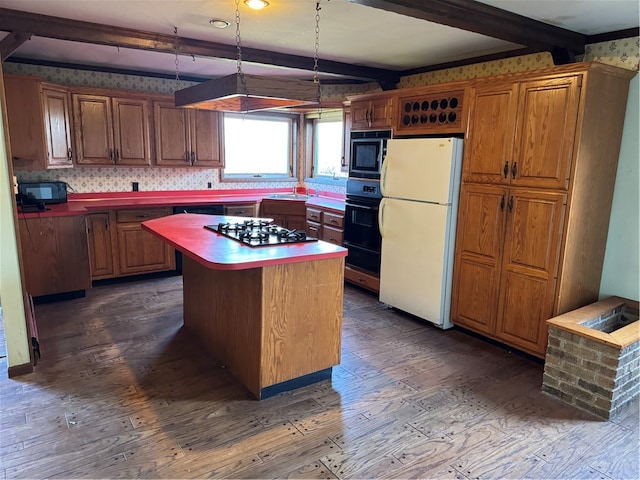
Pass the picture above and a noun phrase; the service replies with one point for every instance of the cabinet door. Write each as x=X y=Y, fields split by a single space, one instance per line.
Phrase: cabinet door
x=360 y=114
x=479 y=242
x=205 y=139
x=55 y=255
x=131 y=131
x=381 y=113
x=489 y=138
x=547 y=113
x=100 y=245
x=530 y=263
x=172 y=135
x=94 y=130
x=141 y=252
x=24 y=121
x=314 y=229
x=56 y=103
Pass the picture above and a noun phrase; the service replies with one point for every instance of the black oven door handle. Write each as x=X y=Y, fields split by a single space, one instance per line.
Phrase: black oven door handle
x=358 y=205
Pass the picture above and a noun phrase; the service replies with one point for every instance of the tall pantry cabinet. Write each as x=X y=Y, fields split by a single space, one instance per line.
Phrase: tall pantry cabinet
x=539 y=168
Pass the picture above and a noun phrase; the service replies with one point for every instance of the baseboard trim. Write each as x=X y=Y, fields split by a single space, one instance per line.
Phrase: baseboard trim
x=17 y=370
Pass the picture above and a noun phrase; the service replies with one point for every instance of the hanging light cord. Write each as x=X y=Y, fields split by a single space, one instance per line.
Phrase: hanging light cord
x=177 y=61
x=316 y=78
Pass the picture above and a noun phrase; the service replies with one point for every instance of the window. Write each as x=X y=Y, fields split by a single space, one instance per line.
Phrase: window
x=258 y=145
x=327 y=146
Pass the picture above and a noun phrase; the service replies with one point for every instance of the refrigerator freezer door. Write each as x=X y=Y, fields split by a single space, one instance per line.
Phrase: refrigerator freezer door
x=417 y=258
x=422 y=169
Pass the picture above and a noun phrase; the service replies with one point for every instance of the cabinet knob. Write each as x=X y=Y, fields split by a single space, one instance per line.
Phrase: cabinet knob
x=70 y=154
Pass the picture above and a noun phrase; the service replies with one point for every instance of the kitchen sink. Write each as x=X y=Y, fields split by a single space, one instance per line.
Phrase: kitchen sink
x=289 y=196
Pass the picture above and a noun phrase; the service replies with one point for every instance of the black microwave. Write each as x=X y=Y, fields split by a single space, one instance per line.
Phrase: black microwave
x=367 y=153
x=32 y=193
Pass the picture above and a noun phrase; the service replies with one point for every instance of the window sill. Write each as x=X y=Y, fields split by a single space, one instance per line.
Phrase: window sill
x=327 y=180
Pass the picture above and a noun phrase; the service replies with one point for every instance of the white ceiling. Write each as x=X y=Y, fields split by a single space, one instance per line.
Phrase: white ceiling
x=349 y=32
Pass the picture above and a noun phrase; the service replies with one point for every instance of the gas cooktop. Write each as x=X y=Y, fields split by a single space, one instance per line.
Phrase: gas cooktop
x=260 y=233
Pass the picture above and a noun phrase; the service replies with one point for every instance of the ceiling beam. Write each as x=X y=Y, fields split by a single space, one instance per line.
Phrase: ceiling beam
x=11 y=42
x=87 y=32
x=484 y=19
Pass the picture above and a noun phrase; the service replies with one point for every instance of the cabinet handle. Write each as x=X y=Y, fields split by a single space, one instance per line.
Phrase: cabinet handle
x=514 y=170
x=511 y=204
x=117 y=154
x=106 y=225
x=362 y=280
x=187 y=156
x=505 y=170
x=332 y=239
x=70 y=154
x=193 y=158
x=111 y=154
x=144 y=215
x=502 y=204
x=333 y=220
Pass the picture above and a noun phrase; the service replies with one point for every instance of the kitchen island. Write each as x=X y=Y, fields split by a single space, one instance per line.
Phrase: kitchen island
x=271 y=314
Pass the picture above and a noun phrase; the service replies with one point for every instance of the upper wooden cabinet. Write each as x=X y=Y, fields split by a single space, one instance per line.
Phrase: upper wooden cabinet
x=372 y=113
x=39 y=124
x=111 y=130
x=539 y=169
x=186 y=137
x=428 y=110
x=523 y=133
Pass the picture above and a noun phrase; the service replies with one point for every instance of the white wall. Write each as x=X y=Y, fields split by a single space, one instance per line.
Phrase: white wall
x=10 y=280
x=621 y=272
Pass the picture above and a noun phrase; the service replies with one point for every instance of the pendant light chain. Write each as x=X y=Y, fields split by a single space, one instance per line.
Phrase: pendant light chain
x=316 y=78
x=239 y=49
x=177 y=61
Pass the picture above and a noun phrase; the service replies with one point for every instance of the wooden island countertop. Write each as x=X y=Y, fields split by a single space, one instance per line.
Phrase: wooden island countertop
x=272 y=315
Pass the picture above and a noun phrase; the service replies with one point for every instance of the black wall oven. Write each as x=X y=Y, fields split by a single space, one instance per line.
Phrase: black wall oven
x=367 y=153
x=361 y=233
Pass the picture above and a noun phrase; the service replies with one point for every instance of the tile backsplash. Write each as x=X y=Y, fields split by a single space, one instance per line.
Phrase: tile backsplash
x=623 y=53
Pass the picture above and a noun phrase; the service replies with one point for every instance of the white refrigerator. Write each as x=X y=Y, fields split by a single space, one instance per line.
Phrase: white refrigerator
x=420 y=185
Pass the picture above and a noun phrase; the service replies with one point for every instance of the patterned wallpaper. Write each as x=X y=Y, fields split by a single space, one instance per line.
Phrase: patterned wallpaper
x=624 y=53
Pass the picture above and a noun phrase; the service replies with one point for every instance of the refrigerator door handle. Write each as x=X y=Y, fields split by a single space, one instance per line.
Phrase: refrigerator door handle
x=383 y=175
x=381 y=216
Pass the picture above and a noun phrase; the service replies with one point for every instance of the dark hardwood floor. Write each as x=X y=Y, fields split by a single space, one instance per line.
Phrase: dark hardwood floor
x=122 y=391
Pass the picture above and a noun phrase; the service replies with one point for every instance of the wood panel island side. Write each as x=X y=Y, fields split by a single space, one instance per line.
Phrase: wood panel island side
x=271 y=314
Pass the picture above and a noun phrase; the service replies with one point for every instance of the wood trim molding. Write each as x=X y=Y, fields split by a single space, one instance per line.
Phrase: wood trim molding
x=18 y=370
x=11 y=43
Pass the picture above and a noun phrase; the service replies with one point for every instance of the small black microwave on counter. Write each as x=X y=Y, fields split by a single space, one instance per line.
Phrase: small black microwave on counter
x=33 y=193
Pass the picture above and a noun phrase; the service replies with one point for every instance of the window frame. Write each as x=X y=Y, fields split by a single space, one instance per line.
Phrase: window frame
x=291 y=176
x=311 y=120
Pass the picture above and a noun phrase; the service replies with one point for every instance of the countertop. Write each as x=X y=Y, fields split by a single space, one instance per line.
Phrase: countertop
x=186 y=233
x=84 y=203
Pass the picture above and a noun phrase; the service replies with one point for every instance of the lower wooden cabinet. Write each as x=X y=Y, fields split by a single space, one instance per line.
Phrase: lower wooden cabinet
x=118 y=246
x=54 y=255
x=325 y=225
x=138 y=250
x=289 y=214
x=506 y=267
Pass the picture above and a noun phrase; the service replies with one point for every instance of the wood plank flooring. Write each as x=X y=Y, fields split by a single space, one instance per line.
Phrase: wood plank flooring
x=122 y=391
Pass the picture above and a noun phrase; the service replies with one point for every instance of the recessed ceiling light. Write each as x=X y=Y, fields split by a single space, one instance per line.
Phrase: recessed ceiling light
x=219 y=23
x=256 y=4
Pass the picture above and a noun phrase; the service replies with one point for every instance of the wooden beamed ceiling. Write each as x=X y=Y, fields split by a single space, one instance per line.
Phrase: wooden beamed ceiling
x=463 y=14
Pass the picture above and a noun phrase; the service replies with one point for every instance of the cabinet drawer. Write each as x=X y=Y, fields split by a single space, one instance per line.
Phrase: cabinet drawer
x=333 y=220
x=314 y=215
x=365 y=280
x=141 y=214
x=332 y=235
x=282 y=207
x=244 y=210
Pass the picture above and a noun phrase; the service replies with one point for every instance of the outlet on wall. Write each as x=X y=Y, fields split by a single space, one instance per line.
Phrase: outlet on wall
x=134 y=186
x=208 y=184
